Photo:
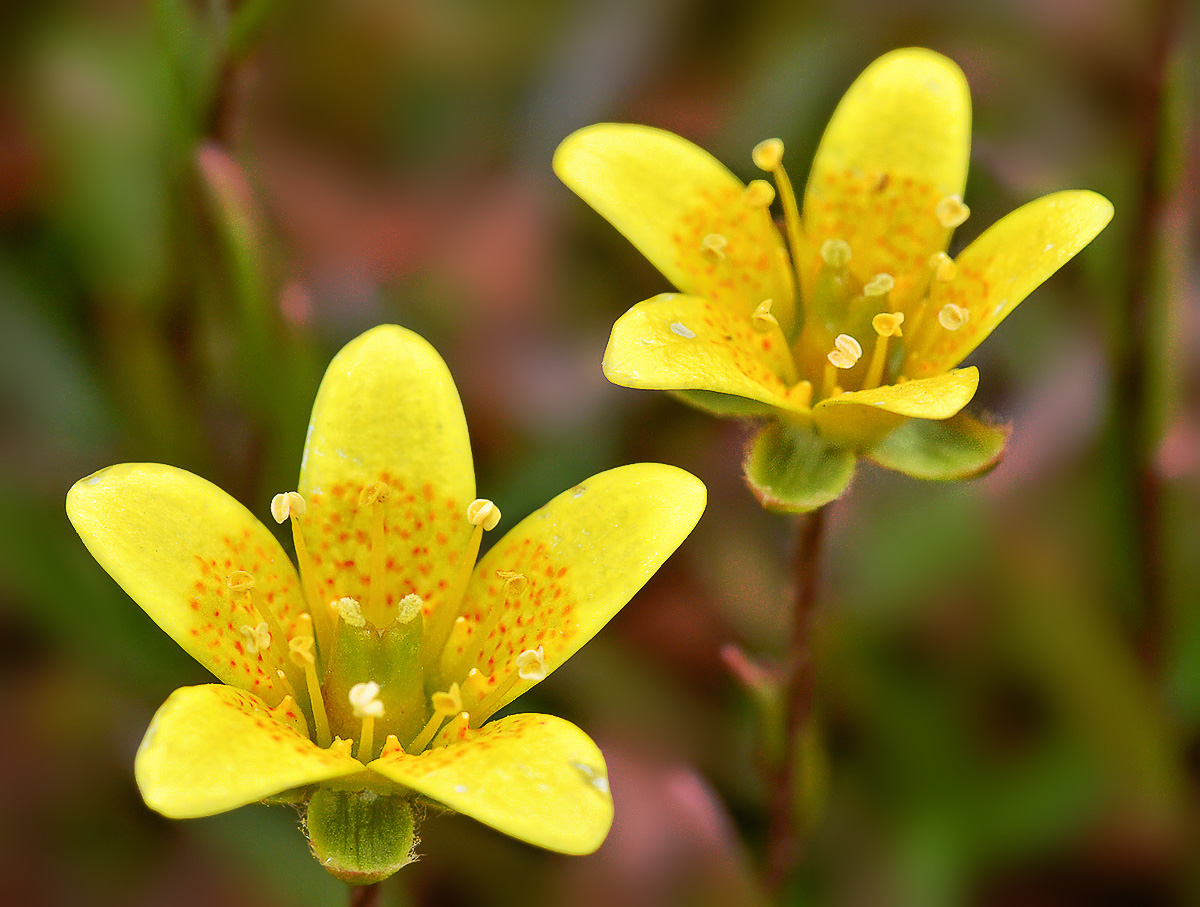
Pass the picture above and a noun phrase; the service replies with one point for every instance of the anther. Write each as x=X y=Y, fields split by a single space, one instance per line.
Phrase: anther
x=879 y=285
x=482 y=512
x=758 y=194
x=514 y=583
x=952 y=317
x=349 y=610
x=767 y=154
x=286 y=504
x=258 y=639
x=845 y=353
x=240 y=581
x=713 y=247
x=531 y=664
x=887 y=324
x=762 y=320
x=373 y=493
x=835 y=253
x=943 y=266
x=951 y=212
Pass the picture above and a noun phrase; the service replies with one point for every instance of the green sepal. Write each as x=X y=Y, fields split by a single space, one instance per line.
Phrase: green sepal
x=726 y=405
x=391 y=658
x=792 y=469
x=960 y=447
x=359 y=836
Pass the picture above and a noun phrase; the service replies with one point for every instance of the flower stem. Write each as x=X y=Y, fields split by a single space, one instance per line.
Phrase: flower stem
x=786 y=826
x=364 y=895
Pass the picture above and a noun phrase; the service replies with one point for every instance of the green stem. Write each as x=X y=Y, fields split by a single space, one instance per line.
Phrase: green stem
x=786 y=827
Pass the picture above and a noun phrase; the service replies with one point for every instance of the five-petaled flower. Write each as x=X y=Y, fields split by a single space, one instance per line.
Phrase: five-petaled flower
x=358 y=686
x=861 y=359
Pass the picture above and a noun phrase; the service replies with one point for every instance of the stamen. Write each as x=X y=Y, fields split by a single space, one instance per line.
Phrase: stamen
x=301 y=653
x=835 y=253
x=474 y=688
x=951 y=212
x=764 y=321
x=373 y=495
x=290 y=504
x=288 y=713
x=879 y=285
x=242 y=581
x=484 y=516
x=365 y=703
x=758 y=194
x=952 y=317
x=713 y=247
x=943 y=266
x=768 y=155
x=458 y=728
x=845 y=353
x=444 y=705
x=530 y=665
x=886 y=325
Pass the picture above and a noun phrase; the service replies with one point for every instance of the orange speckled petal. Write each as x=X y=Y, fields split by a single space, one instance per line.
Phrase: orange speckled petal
x=213 y=748
x=666 y=195
x=583 y=556
x=898 y=143
x=674 y=342
x=170 y=539
x=536 y=778
x=1010 y=260
x=862 y=418
x=387 y=411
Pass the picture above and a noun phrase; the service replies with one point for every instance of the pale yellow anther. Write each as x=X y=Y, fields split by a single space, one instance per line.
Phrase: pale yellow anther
x=887 y=324
x=713 y=246
x=448 y=703
x=514 y=583
x=952 y=317
x=257 y=639
x=373 y=493
x=349 y=610
x=879 y=285
x=240 y=581
x=758 y=194
x=768 y=154
x=531 y=664
x=943 y=266
x=762 y=320
x=410 y=606
x=364 y=700
x=835 y=253
x=482 y=512
x=286 y=504
x=300 y=650
x=845 y=353
x=951 y=212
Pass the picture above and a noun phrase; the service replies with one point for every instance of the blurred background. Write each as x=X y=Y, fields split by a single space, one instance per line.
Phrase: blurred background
x=202 y=200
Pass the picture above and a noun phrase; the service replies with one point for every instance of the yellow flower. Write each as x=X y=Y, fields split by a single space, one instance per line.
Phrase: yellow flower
x=358 y=686
x=861 y=358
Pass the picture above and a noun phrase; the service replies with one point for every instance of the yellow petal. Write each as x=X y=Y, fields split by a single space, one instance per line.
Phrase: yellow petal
x=534 y=777
x=582 y=556
x=860 y=418
x=898 y=143
x=666 y=196
x=170 y=539
x=675 y=342
x=213 y=748
x=1008 y=261
x=387 y=411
